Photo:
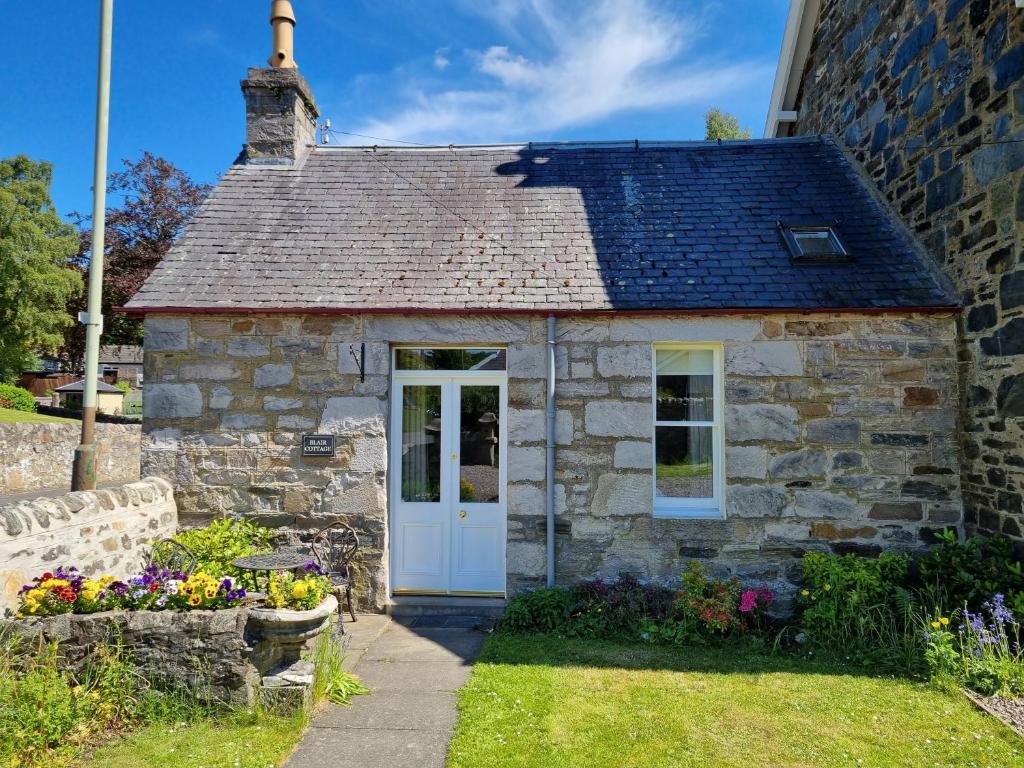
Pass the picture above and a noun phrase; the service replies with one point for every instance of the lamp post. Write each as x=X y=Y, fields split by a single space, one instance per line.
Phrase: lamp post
x=83 y=472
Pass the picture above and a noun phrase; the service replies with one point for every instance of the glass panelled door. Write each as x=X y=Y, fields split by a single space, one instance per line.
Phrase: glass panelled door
x=448 y=521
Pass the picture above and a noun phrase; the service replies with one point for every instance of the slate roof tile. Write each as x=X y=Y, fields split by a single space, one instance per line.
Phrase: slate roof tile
x=691 y=226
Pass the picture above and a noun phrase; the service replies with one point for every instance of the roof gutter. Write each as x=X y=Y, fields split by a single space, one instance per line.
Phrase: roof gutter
x=796 y=45
x=690 y=312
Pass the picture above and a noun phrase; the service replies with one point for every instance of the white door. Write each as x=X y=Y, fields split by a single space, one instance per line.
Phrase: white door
x=448 y=522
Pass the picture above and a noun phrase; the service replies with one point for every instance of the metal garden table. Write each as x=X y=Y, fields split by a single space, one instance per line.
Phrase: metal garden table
x=285 y=560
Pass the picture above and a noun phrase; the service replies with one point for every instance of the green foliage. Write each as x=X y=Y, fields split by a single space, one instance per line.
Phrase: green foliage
x=222 y=541
x=860 y=608
x=722 y=126
x=540 y=610
x=955 y=573
x=331 y=682
x=124 y=386
x=16 y=398
x=36 y=281
x=983 y=654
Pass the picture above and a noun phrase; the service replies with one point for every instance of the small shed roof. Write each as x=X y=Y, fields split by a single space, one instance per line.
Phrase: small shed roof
x=78 y=386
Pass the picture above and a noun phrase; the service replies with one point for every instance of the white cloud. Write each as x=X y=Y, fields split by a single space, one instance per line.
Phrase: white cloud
x=441 y=60
x=578 y=63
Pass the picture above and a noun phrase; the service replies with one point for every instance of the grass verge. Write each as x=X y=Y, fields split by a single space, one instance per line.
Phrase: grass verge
x=10 y=416
x=537 y=701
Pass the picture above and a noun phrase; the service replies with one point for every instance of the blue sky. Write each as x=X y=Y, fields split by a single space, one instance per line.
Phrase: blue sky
x=439 y=71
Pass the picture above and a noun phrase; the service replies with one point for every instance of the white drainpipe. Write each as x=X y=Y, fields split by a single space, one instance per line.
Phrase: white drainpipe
x=550 y=468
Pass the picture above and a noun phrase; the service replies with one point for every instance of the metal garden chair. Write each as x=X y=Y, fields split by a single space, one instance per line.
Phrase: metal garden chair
x=333 y=547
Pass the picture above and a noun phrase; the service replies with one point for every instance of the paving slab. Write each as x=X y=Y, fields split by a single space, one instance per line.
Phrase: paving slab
x=409 y=716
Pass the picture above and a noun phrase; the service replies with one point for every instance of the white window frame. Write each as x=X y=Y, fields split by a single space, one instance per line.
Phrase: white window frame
x=680 y=507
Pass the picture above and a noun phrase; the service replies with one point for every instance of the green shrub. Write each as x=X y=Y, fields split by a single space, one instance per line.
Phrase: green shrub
x=860 y=608
x=16 y=398
x=331 y=682
x=222 y=541
x=541 y=610
x=956 y=573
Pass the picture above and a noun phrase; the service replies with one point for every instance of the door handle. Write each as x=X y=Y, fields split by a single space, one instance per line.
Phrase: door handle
x=455 y=457
x=463 y=513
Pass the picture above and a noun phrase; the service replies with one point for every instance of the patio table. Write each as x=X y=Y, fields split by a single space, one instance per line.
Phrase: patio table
x=282 y=560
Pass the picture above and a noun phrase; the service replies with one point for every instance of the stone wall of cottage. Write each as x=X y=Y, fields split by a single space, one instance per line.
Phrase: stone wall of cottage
x=100 y=532
x=840 y=434
x=38 y=456
x=929 y=96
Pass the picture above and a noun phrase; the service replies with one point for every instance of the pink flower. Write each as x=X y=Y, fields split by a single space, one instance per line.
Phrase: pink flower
x=748 y=601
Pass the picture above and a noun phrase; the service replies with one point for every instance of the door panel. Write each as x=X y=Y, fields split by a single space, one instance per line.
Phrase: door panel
x=478 y=546
x=421 y=529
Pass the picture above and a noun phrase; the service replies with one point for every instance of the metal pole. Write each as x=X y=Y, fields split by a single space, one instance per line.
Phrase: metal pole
x=549 y=468
x=83 y=473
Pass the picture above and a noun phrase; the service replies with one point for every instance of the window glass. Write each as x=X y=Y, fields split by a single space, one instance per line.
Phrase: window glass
x=686 y=398
x=684 y=459
x=818 y=243
x=479 y=445
x=698 y=361
x=421 y=443
x=448 y=359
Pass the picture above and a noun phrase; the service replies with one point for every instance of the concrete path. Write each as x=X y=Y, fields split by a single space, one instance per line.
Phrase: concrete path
x=414 y=669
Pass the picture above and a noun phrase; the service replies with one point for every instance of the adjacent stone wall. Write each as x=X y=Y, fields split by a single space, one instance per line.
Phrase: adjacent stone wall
x=38 y=456
x=840 y=433
x=104 y=531
x=929 y=95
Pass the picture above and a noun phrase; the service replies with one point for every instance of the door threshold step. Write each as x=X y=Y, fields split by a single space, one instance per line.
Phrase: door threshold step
x=438 y=605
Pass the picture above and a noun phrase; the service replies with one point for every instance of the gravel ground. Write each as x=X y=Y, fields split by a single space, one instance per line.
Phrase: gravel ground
x=1010 y=711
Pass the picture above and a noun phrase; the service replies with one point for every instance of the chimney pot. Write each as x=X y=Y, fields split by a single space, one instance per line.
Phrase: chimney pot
x=282 y=23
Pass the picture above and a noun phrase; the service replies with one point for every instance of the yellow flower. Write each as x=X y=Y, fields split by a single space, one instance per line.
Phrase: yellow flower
x=299 y=590
x=195 y=600
x=89 y=594
x=211 y=592
x=945 y=621
x=935 y=625
x=804 y=592
x=828 y=587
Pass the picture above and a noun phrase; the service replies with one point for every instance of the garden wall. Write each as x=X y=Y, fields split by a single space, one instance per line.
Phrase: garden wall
x=38 y=456
x=103 y=531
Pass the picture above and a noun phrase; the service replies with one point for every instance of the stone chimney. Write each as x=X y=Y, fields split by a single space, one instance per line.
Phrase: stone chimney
x=280 y=113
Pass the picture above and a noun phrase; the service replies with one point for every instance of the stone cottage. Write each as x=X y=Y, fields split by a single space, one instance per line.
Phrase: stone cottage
x=518 y=364
x=929 y=97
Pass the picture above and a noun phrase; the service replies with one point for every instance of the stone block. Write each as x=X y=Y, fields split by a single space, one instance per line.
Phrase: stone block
x=624 y=360
x=526 y=463
x=748 y=423
x=273 y=375
x=527 y=426
x=526 y=558
x=823 y=504
x=526 y=500
x=833 y=532
x=344 y=415
x=833 y=431
x=714 y=329
x=623 y=494
x=907 y=510
x=172 y=401
x=763 y=358
x=746 y=461
x=804 y=463
x=166 y=334
x=220 y=397
x=448 y=329
x=614 y=418
x=208 y=371
x=755 y=500
x=272 y=403
x=632 y=454
x=247 y=346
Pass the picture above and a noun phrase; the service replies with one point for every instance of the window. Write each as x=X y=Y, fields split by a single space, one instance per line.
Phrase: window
x=449 y=359
x=813 y=243
x=687 y=430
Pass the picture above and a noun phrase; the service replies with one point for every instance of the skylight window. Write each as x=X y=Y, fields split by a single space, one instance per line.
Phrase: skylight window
x=813 y=243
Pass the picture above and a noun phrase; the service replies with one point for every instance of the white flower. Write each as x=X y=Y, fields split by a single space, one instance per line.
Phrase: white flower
x=171 y=586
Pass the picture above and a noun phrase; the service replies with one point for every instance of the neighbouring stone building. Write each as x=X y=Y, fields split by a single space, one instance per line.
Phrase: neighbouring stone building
x=929 y=96
x=747 y=356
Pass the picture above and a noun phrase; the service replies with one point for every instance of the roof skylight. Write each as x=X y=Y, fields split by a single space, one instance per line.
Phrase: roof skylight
x=816 y=243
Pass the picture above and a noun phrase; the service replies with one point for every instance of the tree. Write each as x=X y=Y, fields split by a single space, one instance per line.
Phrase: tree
x=721 y=126
x=36 y=278
x=157 y=200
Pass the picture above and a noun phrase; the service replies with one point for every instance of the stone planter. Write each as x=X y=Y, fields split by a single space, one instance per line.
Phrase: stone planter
x=280 y=636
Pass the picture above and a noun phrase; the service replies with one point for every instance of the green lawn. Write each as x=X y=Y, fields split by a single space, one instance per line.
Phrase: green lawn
x=542 y=702
x=256 y=741
x=9 y=416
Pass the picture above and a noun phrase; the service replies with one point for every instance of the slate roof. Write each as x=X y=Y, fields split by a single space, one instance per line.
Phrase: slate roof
x=78 y=386
x=544 y=228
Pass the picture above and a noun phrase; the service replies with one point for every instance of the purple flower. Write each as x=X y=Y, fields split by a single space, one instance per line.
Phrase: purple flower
x=998 y=609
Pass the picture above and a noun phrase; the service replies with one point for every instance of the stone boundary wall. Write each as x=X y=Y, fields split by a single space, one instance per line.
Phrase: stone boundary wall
x=840 y=434
x=929 y=97
x=104 y=531
x=38 y=456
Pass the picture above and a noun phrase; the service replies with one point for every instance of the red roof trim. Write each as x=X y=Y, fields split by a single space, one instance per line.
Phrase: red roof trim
x=141 y=311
